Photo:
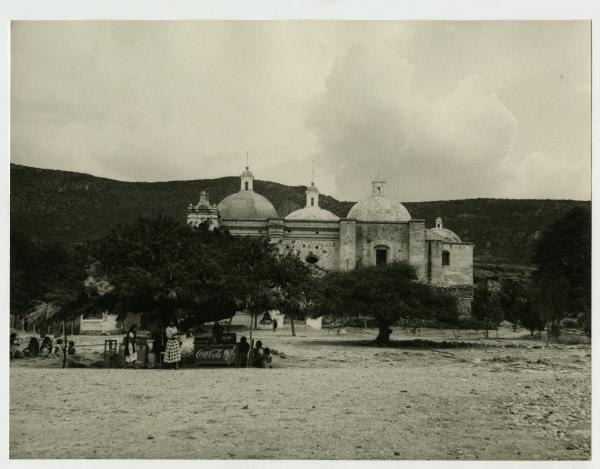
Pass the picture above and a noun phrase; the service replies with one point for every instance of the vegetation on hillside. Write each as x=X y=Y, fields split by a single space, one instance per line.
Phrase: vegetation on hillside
x=53 y=205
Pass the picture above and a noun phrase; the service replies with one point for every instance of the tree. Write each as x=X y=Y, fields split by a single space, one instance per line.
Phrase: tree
x=66 y=294
x=562 y=256
x=385 y=293
x=486 y=308
x=512 y=298
x=293 y=279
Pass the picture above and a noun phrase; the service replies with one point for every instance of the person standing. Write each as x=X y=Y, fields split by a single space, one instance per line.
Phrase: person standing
x=243 y=349
x=257 y=355
x=130 y=350
x=173 y=348
x=274 y=324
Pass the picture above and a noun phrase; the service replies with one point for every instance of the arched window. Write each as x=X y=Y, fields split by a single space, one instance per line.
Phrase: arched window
x=445 y=257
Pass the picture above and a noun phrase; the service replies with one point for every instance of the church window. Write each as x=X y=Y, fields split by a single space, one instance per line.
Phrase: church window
x=381 y=255
x=445 y=257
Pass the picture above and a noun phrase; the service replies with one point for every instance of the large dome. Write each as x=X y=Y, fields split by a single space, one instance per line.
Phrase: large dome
x=443 y=234
x=246 y=205
x=379 y=208
x=312 y=213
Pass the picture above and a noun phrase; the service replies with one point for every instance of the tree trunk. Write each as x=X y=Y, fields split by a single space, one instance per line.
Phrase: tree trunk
x=255 y=321
x=293 y=328
x=383 y=338
x=64 y=344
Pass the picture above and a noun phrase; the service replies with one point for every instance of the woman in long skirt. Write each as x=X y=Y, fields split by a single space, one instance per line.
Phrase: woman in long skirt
x=130 y=350
x=173 y=348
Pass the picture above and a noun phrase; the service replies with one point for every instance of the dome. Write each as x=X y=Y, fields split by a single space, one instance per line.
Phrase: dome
x=443 y=234
x=246 y=205
x=379 y=208
x=312 y=213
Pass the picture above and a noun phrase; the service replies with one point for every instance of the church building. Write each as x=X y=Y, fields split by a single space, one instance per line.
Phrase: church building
x=377 y=230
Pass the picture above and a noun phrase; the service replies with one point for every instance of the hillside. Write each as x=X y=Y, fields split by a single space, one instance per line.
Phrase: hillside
x=71 y=207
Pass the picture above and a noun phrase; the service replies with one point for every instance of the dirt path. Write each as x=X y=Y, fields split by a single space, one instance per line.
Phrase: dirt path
x=327 y=399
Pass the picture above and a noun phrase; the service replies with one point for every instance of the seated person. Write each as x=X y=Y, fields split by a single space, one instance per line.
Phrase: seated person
x=33 y=347
x=13 y=345
x=71 y=348
x=58 y=347
x=46 y=347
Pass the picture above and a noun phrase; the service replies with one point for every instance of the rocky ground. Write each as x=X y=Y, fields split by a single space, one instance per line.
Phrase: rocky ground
x=328 y=397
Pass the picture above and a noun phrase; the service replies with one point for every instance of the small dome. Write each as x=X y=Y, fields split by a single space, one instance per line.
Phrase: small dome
x=312 y=213
x=443 y=234
x=246 y=205
x=379 y=208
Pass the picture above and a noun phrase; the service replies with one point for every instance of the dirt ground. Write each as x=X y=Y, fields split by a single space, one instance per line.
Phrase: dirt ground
x=327 y=397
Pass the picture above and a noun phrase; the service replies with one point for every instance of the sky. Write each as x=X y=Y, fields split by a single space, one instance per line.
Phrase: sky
x=442 y=110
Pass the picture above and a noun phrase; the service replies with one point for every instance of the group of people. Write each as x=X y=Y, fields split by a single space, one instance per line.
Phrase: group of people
x=42 y=346
x=172 y=349
x=258 y=357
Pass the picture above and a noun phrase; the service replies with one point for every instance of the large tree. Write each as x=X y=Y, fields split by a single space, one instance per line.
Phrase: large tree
x=161 y=267
x=486 y=308
x=563 y=260
x=384 y=293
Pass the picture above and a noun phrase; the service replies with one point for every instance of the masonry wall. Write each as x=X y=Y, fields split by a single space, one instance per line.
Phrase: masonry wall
x=460 y=270
x=417 y=254
x=246 y=227
x=317 y=239
x=435 y=273
x=392 y=235
x=347 y=251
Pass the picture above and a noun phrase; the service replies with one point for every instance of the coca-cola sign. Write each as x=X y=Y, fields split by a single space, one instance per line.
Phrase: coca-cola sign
x=216 y=354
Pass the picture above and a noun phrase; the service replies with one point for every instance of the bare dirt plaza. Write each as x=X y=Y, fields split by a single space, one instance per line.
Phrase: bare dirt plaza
x=327 y=397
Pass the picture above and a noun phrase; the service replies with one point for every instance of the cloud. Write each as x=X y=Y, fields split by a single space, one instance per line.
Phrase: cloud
x=458 y=145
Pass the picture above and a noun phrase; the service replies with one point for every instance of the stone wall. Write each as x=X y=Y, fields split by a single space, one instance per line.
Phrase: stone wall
x=464 y=296
x=347 y=251
x=392 y=235
x=417 y=254
x=435 y=273
x=460 y=270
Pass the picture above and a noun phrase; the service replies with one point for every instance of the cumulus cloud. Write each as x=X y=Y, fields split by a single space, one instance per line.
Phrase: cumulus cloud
x=454 y=146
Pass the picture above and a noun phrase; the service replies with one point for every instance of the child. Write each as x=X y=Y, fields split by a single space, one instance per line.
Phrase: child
x=71 y=348
x=58 y=347
x=266 y=358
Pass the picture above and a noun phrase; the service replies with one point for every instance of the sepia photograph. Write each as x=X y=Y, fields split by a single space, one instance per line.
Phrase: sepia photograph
x=300 y=240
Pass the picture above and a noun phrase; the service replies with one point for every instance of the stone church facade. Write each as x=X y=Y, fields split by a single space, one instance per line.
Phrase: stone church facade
x=377 y=230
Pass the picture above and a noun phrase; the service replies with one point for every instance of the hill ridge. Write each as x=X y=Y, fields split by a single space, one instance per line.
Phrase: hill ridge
x=59 y=205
